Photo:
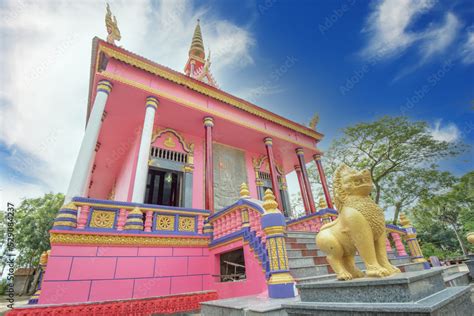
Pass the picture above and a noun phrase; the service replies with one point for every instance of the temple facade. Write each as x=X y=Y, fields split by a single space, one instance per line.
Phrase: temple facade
x=179 y=187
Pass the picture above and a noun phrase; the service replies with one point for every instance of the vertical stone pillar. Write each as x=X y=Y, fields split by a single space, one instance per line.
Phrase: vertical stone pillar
x=322 y=177
x=304 y=193
x=85 y=158
x=209 y=176
x=273 y=173
x=141 y=173
x=280 y=284
x=304 y=174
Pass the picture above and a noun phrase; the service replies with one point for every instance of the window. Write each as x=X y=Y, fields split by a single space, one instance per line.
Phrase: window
x=232 y=265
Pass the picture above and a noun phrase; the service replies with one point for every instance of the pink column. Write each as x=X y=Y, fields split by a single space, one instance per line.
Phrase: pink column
x=200 y=223
x=304 y=195
x=148 y=220
x=309 y=192
x=322 y=177
x=399 y=244
x=83 y=215
x=273 y=173
x=122 y=218
x=209 y=175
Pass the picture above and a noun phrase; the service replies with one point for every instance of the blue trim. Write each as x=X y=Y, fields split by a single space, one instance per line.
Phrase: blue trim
x=231 y=236
x=318 y=213
x=65 y=219
x=241 y=202
x=152 y=206
x=395 y=227
x=67 y=211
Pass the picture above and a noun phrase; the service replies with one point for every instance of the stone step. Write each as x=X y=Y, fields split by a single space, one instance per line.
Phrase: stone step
x=454 y=268
x=456 y=279
x=411 y=266
x=309 y=240
x=293 y=245
x=310 y=270
x=300 y=235
x=450 y=301
x=301 y=253
x=255 y=305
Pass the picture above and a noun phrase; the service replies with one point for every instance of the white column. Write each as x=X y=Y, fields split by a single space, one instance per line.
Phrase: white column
x=141 y=172
x=84 y=160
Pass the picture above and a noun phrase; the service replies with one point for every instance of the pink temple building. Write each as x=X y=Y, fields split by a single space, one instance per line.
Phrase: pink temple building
x=169 y=193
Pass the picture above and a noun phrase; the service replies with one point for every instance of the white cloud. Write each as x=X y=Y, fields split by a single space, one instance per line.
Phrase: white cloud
x=467 y=50
x=389 y=35
x=448 y=133
x=387 y=26
x=437 y=39
x=45 y=61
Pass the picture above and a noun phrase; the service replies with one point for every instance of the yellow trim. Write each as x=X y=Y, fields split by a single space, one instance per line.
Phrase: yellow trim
x=218 y=95
x=70 y=224
x=274 y=230
x=66 y=215
x=124 y=240
x=281 y=278
x=227 y=242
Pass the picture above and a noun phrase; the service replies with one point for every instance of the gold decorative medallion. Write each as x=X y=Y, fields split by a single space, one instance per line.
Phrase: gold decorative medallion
x=169 y=142
x=102 y=219
x=186 y=224
x=164 y=222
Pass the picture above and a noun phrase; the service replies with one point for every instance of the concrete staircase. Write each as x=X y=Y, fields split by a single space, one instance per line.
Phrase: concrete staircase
x=308 y=264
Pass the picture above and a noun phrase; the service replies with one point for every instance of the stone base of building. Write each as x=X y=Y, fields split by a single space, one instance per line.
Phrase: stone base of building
x=411 y=293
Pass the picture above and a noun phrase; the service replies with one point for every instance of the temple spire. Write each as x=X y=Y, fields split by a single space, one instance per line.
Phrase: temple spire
x=197 y=66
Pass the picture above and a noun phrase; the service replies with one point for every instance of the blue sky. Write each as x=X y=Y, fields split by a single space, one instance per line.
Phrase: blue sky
x=349 y=61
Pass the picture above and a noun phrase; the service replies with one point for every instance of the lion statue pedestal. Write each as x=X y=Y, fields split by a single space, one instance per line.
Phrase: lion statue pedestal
x=382 y=290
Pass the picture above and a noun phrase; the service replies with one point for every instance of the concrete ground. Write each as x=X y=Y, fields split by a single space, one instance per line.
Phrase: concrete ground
x=19 y=300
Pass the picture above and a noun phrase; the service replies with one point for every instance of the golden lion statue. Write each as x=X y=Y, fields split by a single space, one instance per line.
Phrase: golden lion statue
x=359 y=227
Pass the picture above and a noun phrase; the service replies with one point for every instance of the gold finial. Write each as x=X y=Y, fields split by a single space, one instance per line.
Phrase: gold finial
x=269 y=203
x=322 y=203
x=197 y=45
x=314 y=121
x=404 y=220
x=112 y=27
x=244 y=191
x=44 y=258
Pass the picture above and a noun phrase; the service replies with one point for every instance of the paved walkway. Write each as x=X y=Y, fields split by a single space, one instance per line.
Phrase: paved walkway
x=19 y=300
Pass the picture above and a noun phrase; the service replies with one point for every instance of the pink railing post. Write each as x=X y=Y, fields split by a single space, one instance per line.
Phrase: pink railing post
x=122 y=218
x=388 y=246
x=200 y=224
x=399 y=244
x=148 y=220
x=83 y=215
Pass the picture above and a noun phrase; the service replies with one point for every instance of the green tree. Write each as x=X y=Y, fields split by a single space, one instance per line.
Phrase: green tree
x=34 y=218
x=444 y=219
x=390 y=147
x=402 y=189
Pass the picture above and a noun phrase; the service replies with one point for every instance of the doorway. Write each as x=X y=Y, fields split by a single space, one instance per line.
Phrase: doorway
x=163 y=187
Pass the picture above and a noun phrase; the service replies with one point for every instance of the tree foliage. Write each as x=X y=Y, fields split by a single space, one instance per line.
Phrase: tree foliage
x=443 y=220
x=401 y=156
x=34 y=218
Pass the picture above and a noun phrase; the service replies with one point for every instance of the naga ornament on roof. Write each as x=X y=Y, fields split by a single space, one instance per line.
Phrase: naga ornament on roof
x=314 y=121
x=112 y=27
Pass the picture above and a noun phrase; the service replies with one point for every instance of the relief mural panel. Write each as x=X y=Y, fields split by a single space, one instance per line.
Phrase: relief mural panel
x=229 y=173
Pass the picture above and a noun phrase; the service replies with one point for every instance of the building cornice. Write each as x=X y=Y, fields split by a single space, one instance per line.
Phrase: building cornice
x=136 y=61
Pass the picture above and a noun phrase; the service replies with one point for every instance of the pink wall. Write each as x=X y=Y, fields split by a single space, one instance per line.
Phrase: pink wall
x=126 y=175
x=255 y=283
x=88 y=274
